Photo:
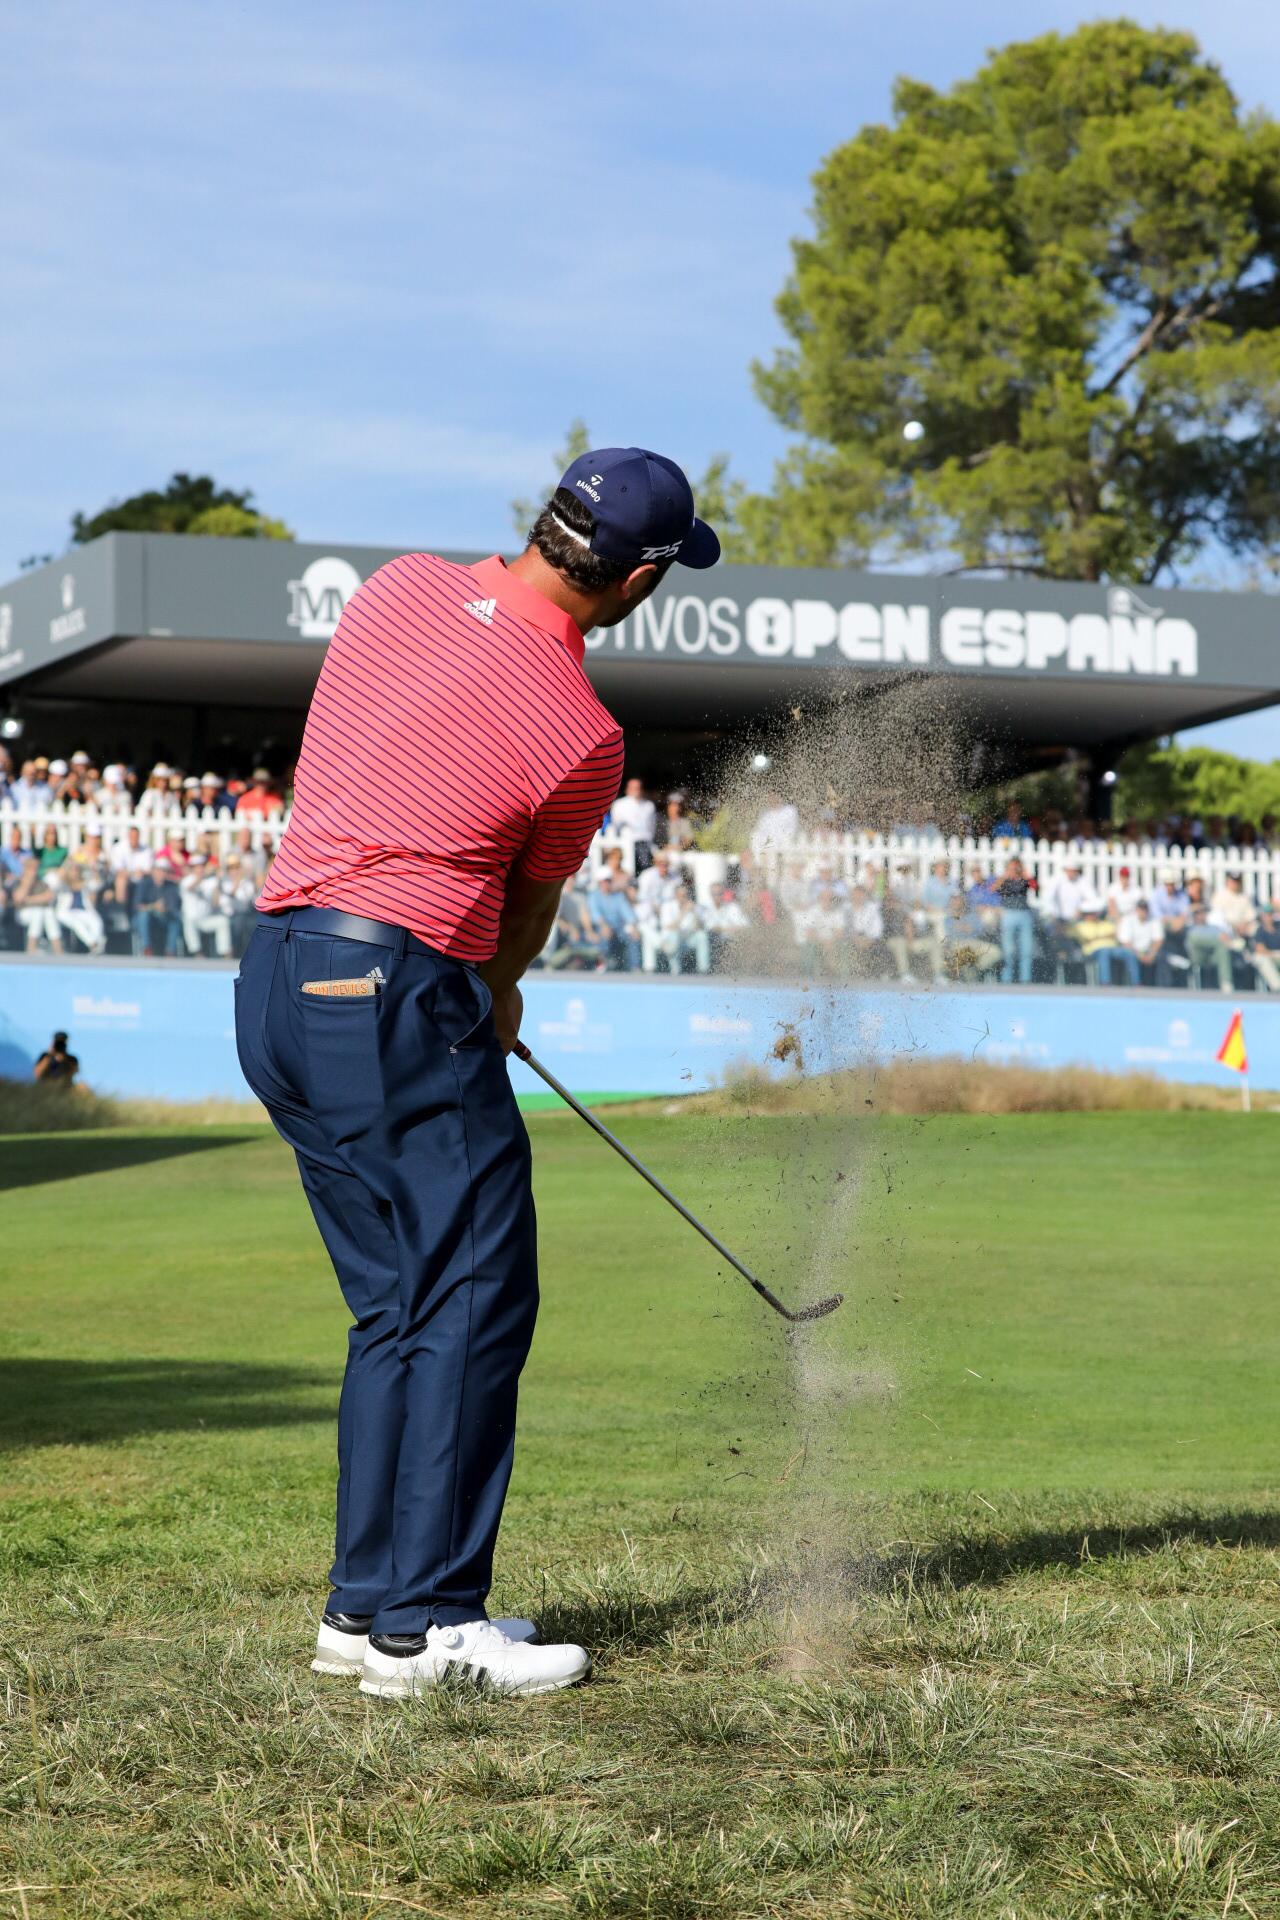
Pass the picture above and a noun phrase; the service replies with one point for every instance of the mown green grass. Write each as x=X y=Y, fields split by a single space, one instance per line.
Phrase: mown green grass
x=962 y=1603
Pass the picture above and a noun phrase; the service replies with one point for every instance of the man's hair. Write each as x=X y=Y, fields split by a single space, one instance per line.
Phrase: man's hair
x=552 y=533
x=564 y=515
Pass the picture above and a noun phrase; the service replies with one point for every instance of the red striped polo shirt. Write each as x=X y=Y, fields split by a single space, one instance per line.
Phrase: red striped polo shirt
x=452 y=735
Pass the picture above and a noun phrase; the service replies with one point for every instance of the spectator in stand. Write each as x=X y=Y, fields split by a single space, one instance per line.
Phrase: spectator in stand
x=1168 y=899
x=114 y=799
x=73 y=789
x=254 y=860
x=260 y=798
x=1207 y=945
x=1264 y=949
x=983 y=890
x=1011 y=825
x=211 y=797
x=129 y=858
x=825 y=875
x=6 y=771
x=777 y=825
x=14 y=855
x=156 y=906
x=1234 y=911
x=155 y=802
x=796 y=889
x=1095 y=935
x=1017 y=924
x=204 y=910
x=867 y=951
x=14 y=859
x=239 y=891
x=726 y=919
x=822 y=932
x=52 y=851
x=681 y=935
x=658 y=883
x=967 y=946
x=1142 y=935
x=675 y=830
x=31 y=792
x=611 y=860
x=613 y=912
x=759 y=901
x=634 y=813
x=33 y=902
x=1064 y=900
x=1122 y=895
x=580 y=939
x=937 y=892
x=75 y=904
x=911 y=946
x=191 y=797
x=1171 y=906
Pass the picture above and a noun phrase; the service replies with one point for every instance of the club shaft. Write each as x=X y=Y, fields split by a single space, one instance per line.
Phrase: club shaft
x=598 y=1126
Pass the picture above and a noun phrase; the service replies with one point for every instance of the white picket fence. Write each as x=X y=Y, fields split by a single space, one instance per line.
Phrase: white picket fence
x=856 y=856
x=204 y=829
x=851 y=856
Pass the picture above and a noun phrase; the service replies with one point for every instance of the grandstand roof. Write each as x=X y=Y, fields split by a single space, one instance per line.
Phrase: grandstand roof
x=173 y=619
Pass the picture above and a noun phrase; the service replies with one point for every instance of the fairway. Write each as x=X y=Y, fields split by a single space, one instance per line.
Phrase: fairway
x=961 y=1602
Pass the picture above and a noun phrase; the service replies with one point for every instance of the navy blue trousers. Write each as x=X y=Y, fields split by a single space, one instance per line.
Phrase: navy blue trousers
x=416 y=1164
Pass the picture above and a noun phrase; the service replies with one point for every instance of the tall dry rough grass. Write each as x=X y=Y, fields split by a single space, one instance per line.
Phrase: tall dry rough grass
x=30 y=1107
x=959 y=1086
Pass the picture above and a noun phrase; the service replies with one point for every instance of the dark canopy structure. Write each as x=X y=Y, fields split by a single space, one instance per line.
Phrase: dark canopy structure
x=184 y=645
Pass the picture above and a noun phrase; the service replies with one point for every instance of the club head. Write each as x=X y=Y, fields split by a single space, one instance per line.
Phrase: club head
x=819 y=1309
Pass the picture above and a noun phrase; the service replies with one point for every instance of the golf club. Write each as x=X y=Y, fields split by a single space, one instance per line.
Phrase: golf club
x=815 y=1312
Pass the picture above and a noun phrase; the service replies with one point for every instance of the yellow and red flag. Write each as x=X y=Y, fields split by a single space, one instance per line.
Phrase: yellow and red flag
x=1231 y=1053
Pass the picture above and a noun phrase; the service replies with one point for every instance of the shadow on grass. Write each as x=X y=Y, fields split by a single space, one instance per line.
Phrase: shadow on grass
x=49 y=1402
x=989 y=1560
x=34 y=1161
x=629 y=1620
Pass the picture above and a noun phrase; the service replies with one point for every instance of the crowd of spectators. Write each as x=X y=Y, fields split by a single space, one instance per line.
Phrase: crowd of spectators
x=164 y=884
x=117 y=791
x=1002 y=926
x=170 y=864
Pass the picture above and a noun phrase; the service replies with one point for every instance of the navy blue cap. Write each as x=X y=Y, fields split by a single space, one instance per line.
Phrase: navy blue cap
x=643 y=508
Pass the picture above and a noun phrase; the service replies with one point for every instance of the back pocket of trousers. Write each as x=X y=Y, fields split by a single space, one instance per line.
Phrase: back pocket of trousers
x=341 y=1064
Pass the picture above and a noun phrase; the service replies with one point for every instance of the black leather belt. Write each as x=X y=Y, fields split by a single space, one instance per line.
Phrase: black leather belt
x=347 y=926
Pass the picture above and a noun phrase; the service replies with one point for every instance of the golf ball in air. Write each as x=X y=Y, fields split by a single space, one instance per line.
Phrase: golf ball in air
x=914 y=430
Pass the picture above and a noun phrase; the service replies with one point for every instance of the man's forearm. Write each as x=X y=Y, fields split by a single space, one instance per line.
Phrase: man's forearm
x=522 y=934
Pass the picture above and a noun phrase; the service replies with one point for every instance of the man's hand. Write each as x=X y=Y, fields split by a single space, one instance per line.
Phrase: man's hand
x=508 y=1011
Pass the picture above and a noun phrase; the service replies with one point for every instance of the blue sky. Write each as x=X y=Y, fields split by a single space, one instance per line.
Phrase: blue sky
x=371 y=260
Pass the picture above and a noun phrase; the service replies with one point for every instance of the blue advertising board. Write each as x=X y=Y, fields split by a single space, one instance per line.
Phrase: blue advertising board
x=161 y=1030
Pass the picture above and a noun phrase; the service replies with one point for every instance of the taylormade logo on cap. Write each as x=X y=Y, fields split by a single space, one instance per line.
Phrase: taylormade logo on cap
x=643 y=508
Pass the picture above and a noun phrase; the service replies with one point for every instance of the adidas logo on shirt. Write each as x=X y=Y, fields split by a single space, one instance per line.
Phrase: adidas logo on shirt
x=481 y=610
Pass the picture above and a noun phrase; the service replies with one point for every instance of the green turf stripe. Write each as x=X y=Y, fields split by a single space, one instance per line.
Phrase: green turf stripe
x=531 y=1102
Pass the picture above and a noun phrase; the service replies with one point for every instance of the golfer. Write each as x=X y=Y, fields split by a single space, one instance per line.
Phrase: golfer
x=375 y=1004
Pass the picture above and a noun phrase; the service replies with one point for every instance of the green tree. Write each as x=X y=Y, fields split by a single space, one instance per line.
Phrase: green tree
x=191 y=503
x=1162 y=777
x=1066 y=270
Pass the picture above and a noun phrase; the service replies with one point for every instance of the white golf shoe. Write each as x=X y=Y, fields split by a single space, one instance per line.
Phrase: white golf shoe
x=343 y=1640
x=486 y=1651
